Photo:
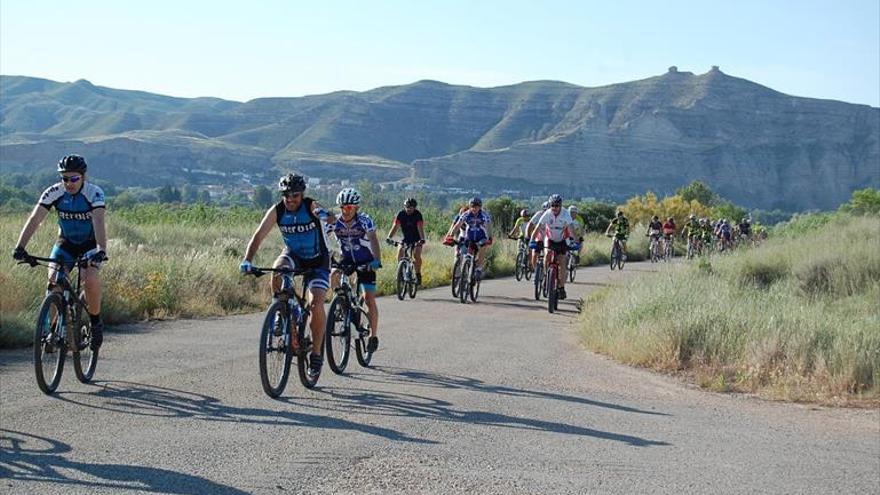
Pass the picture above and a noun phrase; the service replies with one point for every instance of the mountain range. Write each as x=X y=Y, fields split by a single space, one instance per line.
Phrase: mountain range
x=753 y=145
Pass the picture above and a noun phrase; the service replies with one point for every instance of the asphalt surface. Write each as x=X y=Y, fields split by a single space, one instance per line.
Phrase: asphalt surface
x=493 y=397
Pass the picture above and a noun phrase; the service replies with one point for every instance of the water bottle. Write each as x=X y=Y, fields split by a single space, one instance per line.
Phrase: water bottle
x=295 y=310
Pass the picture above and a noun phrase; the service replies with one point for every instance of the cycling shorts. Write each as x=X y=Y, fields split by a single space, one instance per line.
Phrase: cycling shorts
x=320 y=276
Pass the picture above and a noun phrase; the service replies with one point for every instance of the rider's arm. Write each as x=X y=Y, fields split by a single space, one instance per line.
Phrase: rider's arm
x=374 y=245
x=100 y=230
x=325 y=215
x=33 y=223
x=262 y=231
x=393 y=230
x=455 y=226
x=421 y=226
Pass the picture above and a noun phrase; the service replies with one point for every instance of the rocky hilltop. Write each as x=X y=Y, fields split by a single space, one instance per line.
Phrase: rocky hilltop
x=752 y=144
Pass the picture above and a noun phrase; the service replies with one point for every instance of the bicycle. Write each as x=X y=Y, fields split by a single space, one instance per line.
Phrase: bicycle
x=456 y=267
x=654 y=248
x=694 y=248
x=277 y=343
x=62 y=327
x=521 y=268
x=574 y=260
x=540 y=286
x=347 y=311
x=406 y=271
x=469 y=284
x=668 y=247
x=617 y=256
x=551 y=281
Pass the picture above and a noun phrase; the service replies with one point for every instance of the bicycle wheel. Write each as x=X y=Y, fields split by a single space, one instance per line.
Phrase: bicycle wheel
x=552 y=296
x=464 y=280
x=539 y=275
x=528 y=273
x=519 y=269
x=275 y=351
x=544 y=282
x=364 y=357
x=456 y=276
x=49 y=346
x=475 y=289
x=572 y=267
x=85 y=359
x=620 y=260
x=615 y=252
x=412 y=286
x=401 y=279
x=304 y=353
x=338 y=335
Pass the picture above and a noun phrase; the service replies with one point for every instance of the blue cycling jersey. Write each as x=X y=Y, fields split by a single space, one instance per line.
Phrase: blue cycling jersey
x=301 y=230
x=353 y=238
x=74 y=211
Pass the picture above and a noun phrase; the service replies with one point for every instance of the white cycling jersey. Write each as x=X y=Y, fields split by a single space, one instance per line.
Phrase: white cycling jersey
x=555 y=227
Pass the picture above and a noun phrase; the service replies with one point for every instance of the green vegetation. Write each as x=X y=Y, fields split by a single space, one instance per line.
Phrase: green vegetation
x=796 y=318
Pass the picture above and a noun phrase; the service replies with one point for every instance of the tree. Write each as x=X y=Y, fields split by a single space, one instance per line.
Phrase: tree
x=263 y=197
x=504 y=212
x=596 y=215
x=729 y=211
x=864 y=201
x=700 y=192
x=169 y=194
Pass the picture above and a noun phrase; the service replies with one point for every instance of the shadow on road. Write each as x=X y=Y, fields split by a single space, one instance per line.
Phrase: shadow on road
x=149 y=400
x=387 y=374
x=511 y=302
x=31 y=458
x=381 y=403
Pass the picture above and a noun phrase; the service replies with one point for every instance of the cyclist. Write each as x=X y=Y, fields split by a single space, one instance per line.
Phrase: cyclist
x=409 y=221
x=519 y=226
x=745 y=229
x=81 y=209
x=725 y=233
x=300 y=219
x=535 y=246
x=478 y=228
x=555 y=227
x=621 y=230
x=655 y=227
x=577 y=231
x=669 y=230
x=359 y=245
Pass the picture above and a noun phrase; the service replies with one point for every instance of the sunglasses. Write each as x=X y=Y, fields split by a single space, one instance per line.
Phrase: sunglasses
x=292 y=194
x=349 y=207
x=556 y=206
x=73 y=179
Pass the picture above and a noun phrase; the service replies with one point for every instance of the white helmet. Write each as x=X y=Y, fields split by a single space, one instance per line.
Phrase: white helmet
x=572 y=209
x=348 y=196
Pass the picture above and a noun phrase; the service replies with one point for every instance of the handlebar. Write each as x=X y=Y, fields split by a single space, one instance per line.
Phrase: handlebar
x=260 y=271
x=33 y=261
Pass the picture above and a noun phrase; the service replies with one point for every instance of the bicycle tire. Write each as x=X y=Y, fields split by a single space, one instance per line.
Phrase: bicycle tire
x=338 y=332
x=456 y=276
x=474 y=289
x=401 y=280
x=278 y=346
x=50 y=322
x=551 y=288
x=84 y=354
x=519 y=269
x=572 y=268
x=304 y=355
x=464 y=280
x=539 y=272
x=412 y=286
x=615 y=251
x=364 y=356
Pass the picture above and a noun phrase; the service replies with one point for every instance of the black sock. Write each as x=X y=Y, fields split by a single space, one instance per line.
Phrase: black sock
x=95 y=319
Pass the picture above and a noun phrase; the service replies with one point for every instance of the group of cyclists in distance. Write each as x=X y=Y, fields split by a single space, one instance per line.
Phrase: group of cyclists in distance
x=310 y=230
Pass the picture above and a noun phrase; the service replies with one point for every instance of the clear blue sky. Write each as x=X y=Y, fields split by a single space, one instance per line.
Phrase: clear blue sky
x=243 y=50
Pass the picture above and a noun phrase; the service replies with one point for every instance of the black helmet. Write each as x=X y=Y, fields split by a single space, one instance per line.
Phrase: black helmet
x=292 y=183
x=410 y=202
x=72 y=163
x=555 y=200
x=475 y=201
x=620 y=213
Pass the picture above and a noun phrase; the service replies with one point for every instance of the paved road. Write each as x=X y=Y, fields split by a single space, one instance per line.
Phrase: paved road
x=496 y=397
